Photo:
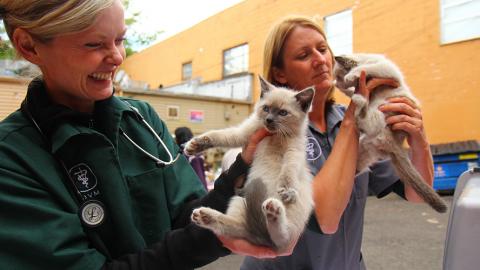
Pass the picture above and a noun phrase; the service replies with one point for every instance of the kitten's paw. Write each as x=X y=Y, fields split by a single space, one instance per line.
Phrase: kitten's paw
x=197 y=144
x=349 y=91
x=352 y=77
x=287 y=195
x=359 y=100
x=272 y=209
x=203 y=217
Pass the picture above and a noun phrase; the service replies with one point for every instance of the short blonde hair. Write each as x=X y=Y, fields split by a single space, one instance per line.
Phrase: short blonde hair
x=274 y=45
x=46 y=19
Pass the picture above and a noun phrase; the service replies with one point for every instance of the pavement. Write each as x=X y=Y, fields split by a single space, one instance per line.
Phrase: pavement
x=398 y=235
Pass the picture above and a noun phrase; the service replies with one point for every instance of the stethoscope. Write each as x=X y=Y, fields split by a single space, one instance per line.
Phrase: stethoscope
x=158 y=161
x=92 y=212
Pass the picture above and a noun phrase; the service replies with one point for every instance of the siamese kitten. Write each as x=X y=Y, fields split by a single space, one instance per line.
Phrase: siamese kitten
x=377 y=140
x=277 y=198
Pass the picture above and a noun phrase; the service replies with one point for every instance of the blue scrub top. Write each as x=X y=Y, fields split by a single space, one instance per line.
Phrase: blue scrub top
x=341 y=250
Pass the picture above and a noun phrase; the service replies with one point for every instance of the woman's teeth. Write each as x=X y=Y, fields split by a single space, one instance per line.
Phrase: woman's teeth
x=101 y=76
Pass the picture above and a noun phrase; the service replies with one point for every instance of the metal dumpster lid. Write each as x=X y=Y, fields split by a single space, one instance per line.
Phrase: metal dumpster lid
x=455 y=147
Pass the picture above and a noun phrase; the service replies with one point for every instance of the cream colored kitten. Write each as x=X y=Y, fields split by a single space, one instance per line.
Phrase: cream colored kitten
x=277 y=198
x=377 y=140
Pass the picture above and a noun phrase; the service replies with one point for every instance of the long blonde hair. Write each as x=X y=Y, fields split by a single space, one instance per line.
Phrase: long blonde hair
x=274 y=45
x=47 y=19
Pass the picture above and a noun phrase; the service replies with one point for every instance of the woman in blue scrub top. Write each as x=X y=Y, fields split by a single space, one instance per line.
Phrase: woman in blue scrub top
x=297 y=55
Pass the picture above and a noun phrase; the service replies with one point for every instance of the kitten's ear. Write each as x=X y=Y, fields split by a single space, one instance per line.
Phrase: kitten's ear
x=265 y=86
x=305 y=98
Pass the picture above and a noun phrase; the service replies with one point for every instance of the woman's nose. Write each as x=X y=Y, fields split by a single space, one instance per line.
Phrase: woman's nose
x=318 y=58
x=115 y=55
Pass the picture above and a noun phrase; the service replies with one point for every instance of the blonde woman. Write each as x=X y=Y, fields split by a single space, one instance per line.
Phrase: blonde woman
x=297 y=55
x=89 y=180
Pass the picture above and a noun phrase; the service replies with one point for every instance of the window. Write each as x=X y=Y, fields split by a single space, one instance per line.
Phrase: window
x=339 y=32
x=235 y=60
x=460 y=20
x=186 y=71
x=173 y=112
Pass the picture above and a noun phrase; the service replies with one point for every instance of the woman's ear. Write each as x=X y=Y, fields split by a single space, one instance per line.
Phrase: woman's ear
x=279 y=75
x=26 y=45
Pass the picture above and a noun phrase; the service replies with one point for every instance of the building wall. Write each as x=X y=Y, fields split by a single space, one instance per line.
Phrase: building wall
x=444 y=77
x=12 y=92
x=218 y=113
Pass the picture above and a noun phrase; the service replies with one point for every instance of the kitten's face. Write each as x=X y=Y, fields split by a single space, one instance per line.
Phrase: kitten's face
x=343 y=65
x=283 y=110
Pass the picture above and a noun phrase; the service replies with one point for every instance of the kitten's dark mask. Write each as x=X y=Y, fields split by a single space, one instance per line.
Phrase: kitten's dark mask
x=346 y=63
x=343 y=65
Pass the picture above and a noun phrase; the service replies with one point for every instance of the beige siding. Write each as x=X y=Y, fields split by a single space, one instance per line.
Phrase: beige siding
x=218 y=113
x=12 y=92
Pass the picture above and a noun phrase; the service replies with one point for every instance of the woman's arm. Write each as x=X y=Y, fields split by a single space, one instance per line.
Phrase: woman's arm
x=332 y=186
x=408 y=118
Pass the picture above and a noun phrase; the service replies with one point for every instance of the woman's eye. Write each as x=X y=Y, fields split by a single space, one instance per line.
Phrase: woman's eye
x=93 y=45
x=266 y=109
x=302 y=56
x=282 y=112
x=119 y=41
x=323 y=50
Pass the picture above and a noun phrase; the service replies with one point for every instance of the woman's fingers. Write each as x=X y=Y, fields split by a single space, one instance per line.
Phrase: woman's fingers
x=376 y=82
x=401 y=105
x=362 y=84
x=403 y=114
x=365 y=88
x=249 y=150
x=243 y=247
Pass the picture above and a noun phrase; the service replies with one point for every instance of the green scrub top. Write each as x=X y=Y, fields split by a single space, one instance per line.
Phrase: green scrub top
x=39 y=214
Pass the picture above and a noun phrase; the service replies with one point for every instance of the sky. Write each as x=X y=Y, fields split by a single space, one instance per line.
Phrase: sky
x=173 y=16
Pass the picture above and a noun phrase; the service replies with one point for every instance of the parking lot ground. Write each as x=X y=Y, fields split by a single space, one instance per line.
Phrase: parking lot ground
x=398 y=235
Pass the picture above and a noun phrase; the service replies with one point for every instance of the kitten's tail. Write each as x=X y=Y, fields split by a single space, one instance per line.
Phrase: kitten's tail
x=408 y=174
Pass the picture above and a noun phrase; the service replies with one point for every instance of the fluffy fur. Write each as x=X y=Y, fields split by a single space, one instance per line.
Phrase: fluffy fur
x=377 y=140
x=277 y=198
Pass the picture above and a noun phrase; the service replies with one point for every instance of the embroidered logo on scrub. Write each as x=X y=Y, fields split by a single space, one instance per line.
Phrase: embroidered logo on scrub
x=83 y=177
x=313 y=149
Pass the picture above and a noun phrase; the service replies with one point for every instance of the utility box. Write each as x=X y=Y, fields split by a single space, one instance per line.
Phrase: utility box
x=462 y=242
x=451 y=160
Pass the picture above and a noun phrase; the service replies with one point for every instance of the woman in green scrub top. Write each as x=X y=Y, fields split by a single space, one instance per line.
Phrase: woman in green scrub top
x=89 y=180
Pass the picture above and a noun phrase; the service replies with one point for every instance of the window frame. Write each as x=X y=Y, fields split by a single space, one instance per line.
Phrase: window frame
x=331 y=38
x=224 y=75
x=176 y=108
x=443 y=6
x=183 y=70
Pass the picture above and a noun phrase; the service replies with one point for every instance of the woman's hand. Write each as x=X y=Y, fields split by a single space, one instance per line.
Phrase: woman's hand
x=243 y=247
x=403 y=114
x=249 y=150
x=406 y=116
x=366 y=88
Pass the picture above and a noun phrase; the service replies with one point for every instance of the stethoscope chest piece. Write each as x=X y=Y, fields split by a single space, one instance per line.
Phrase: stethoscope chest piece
x=92 y=213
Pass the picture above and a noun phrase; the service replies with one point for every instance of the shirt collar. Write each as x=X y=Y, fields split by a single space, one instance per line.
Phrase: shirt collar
x=334 y=117
x=50 y=115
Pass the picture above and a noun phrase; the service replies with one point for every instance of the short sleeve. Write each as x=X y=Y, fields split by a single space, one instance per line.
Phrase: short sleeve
x=382 y=177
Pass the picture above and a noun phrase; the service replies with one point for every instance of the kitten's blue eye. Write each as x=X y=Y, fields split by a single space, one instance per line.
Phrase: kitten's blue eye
x=265 y=108
x=282 y=112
